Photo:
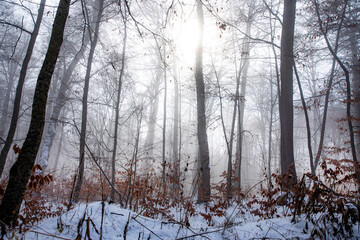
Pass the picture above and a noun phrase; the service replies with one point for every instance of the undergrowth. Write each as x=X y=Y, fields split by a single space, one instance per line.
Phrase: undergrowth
x=329 y=204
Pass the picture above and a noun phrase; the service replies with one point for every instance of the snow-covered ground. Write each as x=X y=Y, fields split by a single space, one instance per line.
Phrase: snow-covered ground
x=118 y=223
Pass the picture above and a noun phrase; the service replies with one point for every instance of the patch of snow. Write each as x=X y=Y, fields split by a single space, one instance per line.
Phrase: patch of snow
x=86 y=219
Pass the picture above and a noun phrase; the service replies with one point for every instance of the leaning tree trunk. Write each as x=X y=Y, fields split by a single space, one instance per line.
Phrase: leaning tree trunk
x=204 y=159
x=307 y=121
x=93 y=41
x=21 y=170
x=58 y=105
x=347 y=78
x=286 y=93
x=17 y=102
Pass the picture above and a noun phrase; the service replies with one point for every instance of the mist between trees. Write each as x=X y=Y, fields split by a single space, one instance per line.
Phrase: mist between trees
x=180 y=96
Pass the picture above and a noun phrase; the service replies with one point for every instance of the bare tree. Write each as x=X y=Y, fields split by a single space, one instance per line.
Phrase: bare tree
x=17 y=102
x=204 y=159
x=117 y=110
x=243 y=74
x=59 y=103
x=21 y=170
x=93 y=42
x=333 y=51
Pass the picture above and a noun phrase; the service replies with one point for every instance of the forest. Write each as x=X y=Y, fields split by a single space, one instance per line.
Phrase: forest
x=179 y=119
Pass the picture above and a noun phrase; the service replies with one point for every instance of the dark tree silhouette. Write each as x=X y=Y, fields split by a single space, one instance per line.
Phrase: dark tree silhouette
x=21 y=170
x=17 y=102
x=286 y=91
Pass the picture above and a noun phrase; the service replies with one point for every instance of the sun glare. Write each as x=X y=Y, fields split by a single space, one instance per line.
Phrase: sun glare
x=187 y=41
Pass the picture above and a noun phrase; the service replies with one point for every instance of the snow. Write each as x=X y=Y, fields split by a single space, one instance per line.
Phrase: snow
x=115 y=219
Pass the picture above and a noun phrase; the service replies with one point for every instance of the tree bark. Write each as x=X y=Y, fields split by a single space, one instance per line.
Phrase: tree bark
x=204 y=159
x=286 y=94
x=21 y=170
x=93 y=39
x=17 y=102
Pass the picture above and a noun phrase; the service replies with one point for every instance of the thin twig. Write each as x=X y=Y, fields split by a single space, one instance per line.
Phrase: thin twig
x=199 y=234
x=147 y=228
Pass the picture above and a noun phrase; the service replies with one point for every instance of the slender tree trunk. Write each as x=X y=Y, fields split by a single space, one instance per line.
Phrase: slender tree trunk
x=270 y=136
x=355 y=71
x=133 y=164
x=176 y=158
x=333 y=51
x=286 y=93
x=21 y=170
x=57 y=157
x=204 y=159
x=307 y=121
x=164 y=124
x=154 y=107
x=324 y=119
x=232 y=136
x=17 y=102
x=229 y=169
x=93 y=40
x=245 y=53
x=273 y=101
x=117 y=110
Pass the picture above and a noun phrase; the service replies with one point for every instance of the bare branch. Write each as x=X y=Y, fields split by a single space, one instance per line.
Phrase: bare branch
x=14 y=25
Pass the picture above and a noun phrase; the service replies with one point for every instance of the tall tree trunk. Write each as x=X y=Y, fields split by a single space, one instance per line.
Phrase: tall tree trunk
x=93 y=40
x=117 y=110
x=286 y=93
x=164 y=124
x=355 y=71
x=58 y=105
x=21 y=170
x=17 y=102
x=273 y=101
x=204 y=159
x=176 y=157
x=245 y=53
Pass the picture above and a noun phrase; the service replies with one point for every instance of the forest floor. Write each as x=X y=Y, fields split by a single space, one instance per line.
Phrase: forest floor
x=100 y=220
